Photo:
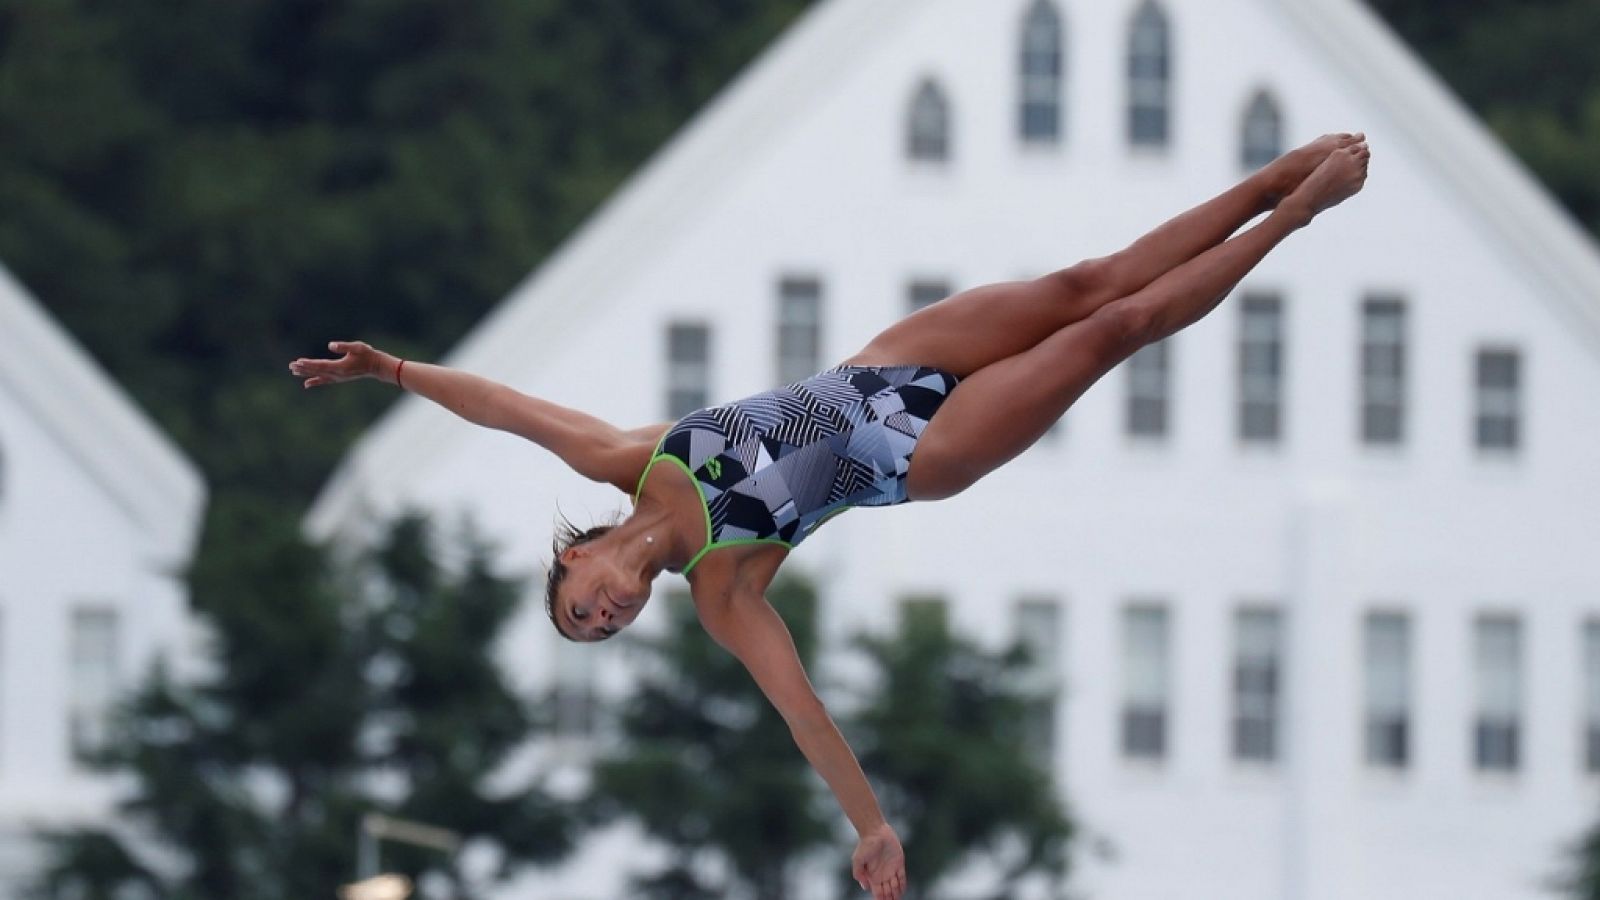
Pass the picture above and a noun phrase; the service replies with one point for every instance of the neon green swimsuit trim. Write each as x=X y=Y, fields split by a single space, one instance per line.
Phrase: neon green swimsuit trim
x=705 y=509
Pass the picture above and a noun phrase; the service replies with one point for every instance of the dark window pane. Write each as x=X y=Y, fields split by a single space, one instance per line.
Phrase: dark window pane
x=928 y=134
x=1040 y=74
x=1144 y=733
x=1149 y=70
x=1261 y=140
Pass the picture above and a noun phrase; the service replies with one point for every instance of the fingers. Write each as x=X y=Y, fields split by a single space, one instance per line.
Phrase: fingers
x=890 y=889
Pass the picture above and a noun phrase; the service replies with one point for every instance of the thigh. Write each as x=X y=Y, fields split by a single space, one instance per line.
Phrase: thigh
x=1003 y=408
x=979 y=327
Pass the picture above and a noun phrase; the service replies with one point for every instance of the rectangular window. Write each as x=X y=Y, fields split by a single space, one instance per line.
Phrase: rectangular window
x=1038 y=629
x=1499 y=400
x=1148 y=381
x=1257 y=651
x=1261 y=368
x=923 y=294
x=1149 y=78
x=1383 y=371
x=1144 y=682
x=688 y=368
x=799 y=329
x=923 y=611
x=1497 y=654
x=1591 y=696
x=1386 y=649
x=1041 y=76
x=93 y=679
x=573 y=700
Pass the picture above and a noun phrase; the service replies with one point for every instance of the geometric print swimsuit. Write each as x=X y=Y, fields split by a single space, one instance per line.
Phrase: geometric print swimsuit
x=772 y=467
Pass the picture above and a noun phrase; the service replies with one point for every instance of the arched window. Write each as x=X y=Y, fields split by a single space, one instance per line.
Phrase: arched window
x=1149 y=78
x=1040 y=111
x=928 y=130
x=1261 y=138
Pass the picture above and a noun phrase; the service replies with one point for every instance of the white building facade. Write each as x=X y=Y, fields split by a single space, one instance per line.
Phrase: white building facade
x=99 y=513
x=1317 y=578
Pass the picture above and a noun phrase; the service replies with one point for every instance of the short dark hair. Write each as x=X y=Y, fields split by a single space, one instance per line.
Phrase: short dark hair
x=567 y=535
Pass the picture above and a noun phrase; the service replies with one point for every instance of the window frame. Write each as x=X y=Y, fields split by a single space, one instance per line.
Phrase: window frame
x=682 y=371
x=1384 y=371
x=1147 y=413
x=1498 y=404
x=1041 y=76
x=1144 y=728
x=90 y=703
x=1499 y=738
x=1383 y=728
x=1254 y=155
x=1149 y=109
x=1043 y=675
x=793 y=366
x=1261 y=390
x=1270 y=715
x=929 y=125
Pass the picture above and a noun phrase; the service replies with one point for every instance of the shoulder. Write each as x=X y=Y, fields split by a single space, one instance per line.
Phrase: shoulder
x=630 y=456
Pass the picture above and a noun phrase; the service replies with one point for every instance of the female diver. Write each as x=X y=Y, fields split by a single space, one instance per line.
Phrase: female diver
x=927 y=408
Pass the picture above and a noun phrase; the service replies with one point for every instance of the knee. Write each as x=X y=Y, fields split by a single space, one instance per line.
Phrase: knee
x=1093 y=281
x=1127 y=325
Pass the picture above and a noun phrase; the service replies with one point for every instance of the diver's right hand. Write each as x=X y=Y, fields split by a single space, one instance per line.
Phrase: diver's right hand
x=357 y=360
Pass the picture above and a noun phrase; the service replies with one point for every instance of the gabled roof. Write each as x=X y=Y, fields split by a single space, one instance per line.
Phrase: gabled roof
x=805 y=64
x=100 y=426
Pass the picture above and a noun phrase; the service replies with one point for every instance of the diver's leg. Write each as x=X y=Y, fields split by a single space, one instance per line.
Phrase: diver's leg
x=981 y=326
x=1005 y=407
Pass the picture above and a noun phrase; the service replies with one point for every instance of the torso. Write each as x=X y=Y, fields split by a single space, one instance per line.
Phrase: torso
x=759 y=475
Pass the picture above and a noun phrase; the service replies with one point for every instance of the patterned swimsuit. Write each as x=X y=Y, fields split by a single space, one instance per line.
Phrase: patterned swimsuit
x=772 y=467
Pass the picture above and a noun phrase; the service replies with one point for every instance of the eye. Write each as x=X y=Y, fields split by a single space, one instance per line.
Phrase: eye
x=580 y=613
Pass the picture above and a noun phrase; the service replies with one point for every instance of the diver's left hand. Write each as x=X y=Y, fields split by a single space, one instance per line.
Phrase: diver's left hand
x=879 y=864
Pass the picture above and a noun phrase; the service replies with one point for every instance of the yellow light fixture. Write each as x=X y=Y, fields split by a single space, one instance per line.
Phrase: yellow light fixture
x=378 y=887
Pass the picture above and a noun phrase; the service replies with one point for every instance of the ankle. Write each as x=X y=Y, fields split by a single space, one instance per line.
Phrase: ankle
x=1293 y=213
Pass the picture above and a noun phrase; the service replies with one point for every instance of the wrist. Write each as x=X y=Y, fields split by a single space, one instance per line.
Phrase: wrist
x=873 y=826
x=388 y=369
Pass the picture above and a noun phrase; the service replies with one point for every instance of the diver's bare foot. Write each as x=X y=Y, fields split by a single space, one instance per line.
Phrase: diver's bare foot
x=1338 y=179
x=1284 y=174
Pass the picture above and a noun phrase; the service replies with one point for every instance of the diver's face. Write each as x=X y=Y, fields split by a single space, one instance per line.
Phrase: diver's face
x=598 y=599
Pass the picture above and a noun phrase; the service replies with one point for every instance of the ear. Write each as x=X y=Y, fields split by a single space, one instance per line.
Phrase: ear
x=577 y=551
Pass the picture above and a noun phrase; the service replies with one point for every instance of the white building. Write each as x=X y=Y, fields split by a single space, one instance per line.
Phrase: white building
x=1319 y=579
x=99 y=513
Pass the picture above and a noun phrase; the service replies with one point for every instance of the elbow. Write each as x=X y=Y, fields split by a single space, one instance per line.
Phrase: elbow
x=809 y=719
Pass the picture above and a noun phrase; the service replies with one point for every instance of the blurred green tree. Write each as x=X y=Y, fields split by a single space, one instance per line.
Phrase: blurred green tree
x=1528 y=67
x=709 y=768
x=334 y=692
x=1582 y=879
x=201 y=191
x=941 y=734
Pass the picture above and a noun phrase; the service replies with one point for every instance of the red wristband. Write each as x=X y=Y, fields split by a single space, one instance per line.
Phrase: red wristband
x=397 y=370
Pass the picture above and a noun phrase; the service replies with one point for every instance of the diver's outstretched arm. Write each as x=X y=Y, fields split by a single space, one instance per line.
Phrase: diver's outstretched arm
x=744 y=622
x=593 y=448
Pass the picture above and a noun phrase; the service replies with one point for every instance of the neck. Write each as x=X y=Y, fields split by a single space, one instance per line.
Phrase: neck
x=649 y=543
